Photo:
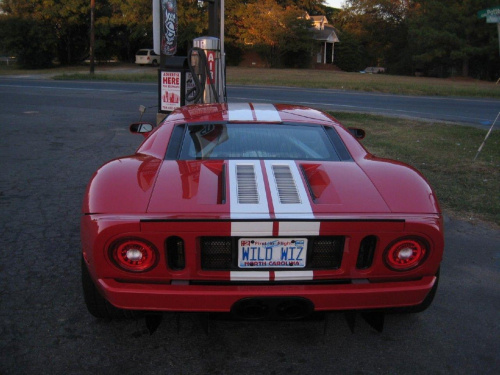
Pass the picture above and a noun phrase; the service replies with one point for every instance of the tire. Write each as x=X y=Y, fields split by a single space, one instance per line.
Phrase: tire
x=154 y=63
x=97 y=304
x=422 y=306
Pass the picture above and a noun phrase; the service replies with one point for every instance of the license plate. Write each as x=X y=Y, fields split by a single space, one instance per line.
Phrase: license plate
x=272 y=252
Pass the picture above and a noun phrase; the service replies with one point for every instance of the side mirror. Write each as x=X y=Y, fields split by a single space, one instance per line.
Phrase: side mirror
x=143 y=128
x=357 y=133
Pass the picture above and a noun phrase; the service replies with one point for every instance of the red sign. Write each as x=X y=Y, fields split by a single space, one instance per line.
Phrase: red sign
x=211 y=55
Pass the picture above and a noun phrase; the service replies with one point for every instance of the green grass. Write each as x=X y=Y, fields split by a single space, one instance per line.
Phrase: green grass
x=444 y=153
x=13 y=69
x=381 y=83
x=326 y=80
x=136 y=77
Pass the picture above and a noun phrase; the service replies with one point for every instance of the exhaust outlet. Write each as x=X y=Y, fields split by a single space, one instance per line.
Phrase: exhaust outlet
x=251 y=309
x=284 y=308
x=294 y=309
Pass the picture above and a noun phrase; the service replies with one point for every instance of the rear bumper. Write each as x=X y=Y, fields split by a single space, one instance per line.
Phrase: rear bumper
x=161 y=297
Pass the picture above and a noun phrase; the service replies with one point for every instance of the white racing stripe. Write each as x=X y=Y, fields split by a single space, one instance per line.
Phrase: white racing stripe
x=293 y=275
x=266 y=112
x=239 y=112
x=258 y=210
x=300 y=210
x=299 y=228
x=252 y=228
x=250 y=276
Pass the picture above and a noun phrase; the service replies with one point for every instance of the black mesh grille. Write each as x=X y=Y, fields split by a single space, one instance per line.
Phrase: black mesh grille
x=216 y=253
x=220 y=253
x=326 y=252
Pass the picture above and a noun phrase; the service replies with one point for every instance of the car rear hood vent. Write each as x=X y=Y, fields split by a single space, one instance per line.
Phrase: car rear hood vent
x=285 y=184
x=246 y=184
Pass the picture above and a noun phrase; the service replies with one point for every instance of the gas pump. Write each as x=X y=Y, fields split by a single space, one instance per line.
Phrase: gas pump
x=196 y=78
x=205 y=65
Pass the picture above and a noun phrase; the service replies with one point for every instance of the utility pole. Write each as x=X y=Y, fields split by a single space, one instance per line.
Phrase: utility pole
x=92 y=35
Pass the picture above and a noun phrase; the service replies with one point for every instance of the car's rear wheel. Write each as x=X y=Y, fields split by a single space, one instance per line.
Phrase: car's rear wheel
x=97 y=304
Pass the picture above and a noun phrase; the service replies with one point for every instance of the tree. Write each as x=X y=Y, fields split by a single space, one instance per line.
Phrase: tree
x=62 y=23
x=310 y=6
x=277 y=33
x=446 y=36
x=435 y=37
x=69 y=20
x=193 y=23
x=29 y=40
x=27 y=35
x=129 y=25
x=350 y=53
x=380 y=27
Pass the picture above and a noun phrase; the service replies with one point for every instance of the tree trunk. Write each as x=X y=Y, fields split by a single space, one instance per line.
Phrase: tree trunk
x=465 y=67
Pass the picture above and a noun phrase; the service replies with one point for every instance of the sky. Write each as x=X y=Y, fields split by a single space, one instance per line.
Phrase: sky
x=335 y=3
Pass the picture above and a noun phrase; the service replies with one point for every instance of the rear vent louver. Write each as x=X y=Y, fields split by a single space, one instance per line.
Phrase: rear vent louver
x=287 y=189
x=247 y=184
x=176 y=258
x=366 y=252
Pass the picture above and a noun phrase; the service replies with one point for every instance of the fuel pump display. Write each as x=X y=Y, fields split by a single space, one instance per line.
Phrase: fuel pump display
x=196 y=78
x=205 y=67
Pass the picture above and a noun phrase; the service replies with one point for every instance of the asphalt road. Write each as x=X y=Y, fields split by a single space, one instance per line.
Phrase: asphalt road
x=478 y=112
x=53 y=138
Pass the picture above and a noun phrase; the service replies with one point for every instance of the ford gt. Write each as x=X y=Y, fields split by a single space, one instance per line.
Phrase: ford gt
x=265 y=211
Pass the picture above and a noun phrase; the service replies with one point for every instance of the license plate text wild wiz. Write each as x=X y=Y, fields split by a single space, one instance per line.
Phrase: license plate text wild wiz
x=272 y=252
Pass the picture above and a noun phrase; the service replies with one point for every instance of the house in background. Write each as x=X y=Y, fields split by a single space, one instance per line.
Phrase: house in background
x=325 y=36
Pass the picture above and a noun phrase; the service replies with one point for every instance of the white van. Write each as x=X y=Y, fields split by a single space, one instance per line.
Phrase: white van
x=147 y=57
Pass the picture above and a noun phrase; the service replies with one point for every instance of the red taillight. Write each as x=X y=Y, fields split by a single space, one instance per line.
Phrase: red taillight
x=134 y=255
x=406 y=253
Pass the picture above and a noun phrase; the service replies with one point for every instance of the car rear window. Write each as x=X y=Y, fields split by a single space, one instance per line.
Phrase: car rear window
x=253 y=141
x=142 y=52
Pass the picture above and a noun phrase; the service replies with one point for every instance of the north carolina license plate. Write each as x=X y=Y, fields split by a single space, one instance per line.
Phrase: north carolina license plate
x=272 y=252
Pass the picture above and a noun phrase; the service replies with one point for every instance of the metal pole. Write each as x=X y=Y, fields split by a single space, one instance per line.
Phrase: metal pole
x=485 y=138
x=222 y=93
x=92 y=35
x=213 y=18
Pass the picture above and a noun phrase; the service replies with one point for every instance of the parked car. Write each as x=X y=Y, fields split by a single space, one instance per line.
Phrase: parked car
x=373 y=70
x=260 y=210
x=147 y=57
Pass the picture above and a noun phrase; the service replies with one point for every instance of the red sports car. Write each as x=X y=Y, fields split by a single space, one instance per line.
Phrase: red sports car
x=261 y=210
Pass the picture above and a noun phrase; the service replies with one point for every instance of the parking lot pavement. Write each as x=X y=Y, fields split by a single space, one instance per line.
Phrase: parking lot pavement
x=51 y=144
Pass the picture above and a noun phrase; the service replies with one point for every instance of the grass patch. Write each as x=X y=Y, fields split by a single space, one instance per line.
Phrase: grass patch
x=125 y=77
x=382 y=83
x=466 y=189
x=13 y=69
